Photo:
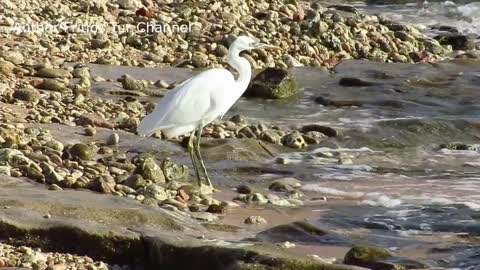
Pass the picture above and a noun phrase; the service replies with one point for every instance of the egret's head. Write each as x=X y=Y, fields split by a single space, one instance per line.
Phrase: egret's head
x=244 y=43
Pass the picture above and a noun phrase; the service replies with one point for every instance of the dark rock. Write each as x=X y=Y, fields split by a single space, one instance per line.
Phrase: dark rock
x=330 y=132
x=273 y=83
x=135 y=181
x=54 y=73
x=469 y=55
x=270 y=136
x=247 y=132
x=354 y=82
x=294 y=140
x=337 y=103
x=299 y=231
x=445 y=28
x=52 y=85
x=216 y=209
x=345 y=8
x=103 y=184
x=27 y=94
x=81 y=151
x=95 y=120
x=377 y=258
x=457 y=41
x=239 y=120
x=460 y=146
x=285 y=185
x=244 y=189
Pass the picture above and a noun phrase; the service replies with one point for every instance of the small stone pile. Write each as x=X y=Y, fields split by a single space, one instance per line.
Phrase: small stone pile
x=34 y=153
x=309 y=34
x=27 y=258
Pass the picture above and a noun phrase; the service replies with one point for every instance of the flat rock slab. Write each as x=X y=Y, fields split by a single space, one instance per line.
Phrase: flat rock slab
x=121 y=230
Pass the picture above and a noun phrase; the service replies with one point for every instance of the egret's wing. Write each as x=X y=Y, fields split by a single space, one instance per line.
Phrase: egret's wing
x=189 y=103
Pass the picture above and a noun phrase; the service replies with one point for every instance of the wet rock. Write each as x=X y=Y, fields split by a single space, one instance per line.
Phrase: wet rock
x=299 y=231
x=182 y=195
x=337 y=103
x=150 y=170
x=457 y=41
x=104 y=184
x=314 y=137
x=113 y=139
x=255 y=220
x=172 y=171
x=330 y=132
x=216 y=209
x=175 y=203
x=244 y=189
x=254 y=198
x=55 y=145
x=354 y=82
x=27 y=94
x=81 y=72
x=239 y=120
x=460 y=146
x=294 y=140
x=377 y=258
x=247 y=132
x=52 y=85
x=270 y=136
x=156 y=192
x=135 y=181
x=90 y=131
x=272 y=83
x=285 y=185
x=346 y=8
x=205 y=216
x=54 y=73
x=129 y=83
x=82 y=152
x=94 y=120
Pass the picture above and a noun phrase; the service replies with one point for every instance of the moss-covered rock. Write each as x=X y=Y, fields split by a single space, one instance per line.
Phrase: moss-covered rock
x=26 y=94
x=54 y=73
x=82 y=151
x=273 y=83
x=378 y=258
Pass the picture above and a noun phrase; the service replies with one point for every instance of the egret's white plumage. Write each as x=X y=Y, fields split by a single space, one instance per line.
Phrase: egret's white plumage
x=200 y=100
x=190 y=104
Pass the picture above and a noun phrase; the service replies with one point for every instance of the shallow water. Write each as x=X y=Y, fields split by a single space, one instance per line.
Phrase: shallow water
x=386 y=180
x=461 y=14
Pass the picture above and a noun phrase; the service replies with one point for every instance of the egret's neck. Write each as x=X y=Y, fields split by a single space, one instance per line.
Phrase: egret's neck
x=242 y=66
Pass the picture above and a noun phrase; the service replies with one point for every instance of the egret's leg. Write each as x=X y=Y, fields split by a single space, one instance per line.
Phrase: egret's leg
x=199 y=156
x=190 y=148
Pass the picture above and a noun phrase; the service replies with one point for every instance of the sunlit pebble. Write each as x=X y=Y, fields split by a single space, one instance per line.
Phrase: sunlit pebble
x=287 y=244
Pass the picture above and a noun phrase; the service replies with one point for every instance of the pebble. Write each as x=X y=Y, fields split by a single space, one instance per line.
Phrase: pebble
x=113 y=139
x=90 y=131
x=255 y=220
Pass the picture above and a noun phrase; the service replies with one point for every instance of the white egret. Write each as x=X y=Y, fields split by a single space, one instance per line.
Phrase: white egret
x=200 y=100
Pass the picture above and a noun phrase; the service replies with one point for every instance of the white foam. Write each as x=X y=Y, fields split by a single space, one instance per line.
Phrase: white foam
x=380 y=199
x=331 y=191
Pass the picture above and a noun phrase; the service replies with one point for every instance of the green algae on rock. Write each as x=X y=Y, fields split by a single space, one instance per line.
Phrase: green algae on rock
x=272 y=83
x=378 y=258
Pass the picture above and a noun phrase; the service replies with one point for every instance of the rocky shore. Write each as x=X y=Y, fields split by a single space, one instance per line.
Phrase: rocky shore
x=65 y=129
